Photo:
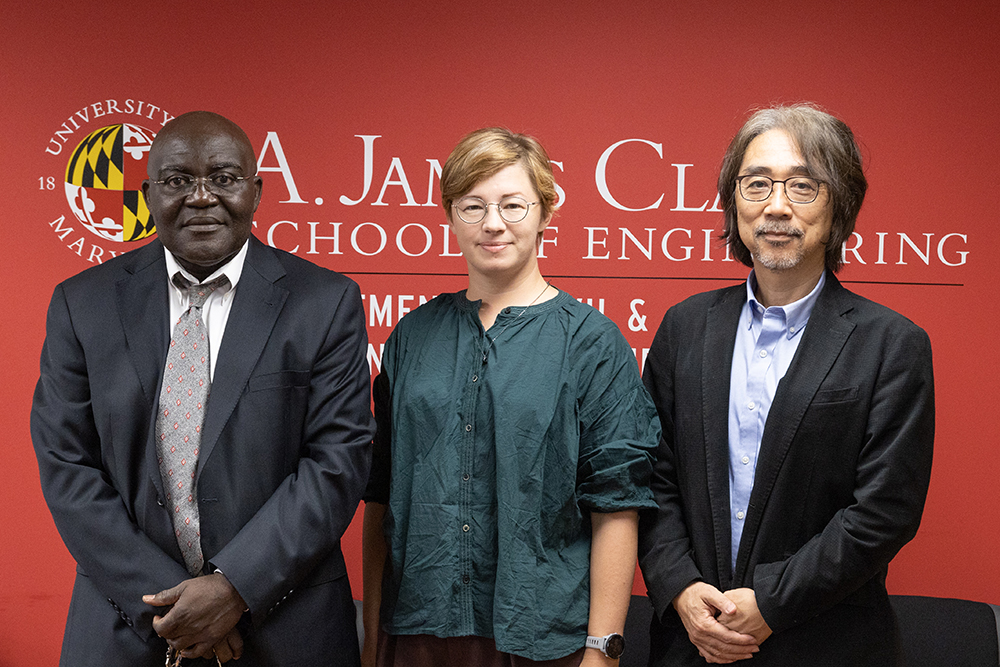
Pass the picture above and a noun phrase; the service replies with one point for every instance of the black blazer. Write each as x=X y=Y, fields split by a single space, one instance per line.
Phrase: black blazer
x=284 y=460
x=840 y=484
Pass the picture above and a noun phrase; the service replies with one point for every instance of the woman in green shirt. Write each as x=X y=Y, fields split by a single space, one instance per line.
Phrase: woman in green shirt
x=514 y=448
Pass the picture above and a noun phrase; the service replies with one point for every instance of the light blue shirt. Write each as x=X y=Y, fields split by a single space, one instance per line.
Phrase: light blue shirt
x=766 y=340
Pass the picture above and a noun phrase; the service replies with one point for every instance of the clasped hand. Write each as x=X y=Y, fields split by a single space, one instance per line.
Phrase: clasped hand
x=725 y=627
x=201 y=620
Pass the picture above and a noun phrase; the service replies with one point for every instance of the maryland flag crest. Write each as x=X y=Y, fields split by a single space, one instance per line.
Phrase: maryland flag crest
x=104 y=182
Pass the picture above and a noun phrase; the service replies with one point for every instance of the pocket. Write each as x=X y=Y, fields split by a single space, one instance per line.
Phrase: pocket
x=279 y=379
x=836 y=395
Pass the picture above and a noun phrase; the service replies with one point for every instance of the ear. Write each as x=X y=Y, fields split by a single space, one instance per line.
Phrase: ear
x=545 y=223
x=258 y=184
x=145 y=191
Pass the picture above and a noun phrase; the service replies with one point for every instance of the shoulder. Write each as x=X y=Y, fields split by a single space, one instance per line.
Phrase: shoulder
x=695 y=308
x=97 y=282
x=870 y=316
x=438 y=312
x=298 y=271
x=590 y=332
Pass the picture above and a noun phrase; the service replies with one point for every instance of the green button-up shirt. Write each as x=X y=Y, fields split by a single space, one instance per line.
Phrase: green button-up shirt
x=502 y=443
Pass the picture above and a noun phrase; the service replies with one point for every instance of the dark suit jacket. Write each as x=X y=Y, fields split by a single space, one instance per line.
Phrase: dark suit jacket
x=284 y=458
x=840 y=484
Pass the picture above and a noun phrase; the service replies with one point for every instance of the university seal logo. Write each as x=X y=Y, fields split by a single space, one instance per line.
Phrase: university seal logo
x=103 y=182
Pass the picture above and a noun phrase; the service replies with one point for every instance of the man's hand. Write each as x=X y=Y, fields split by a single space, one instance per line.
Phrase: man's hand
x=204 y=610
x=230 y=648
x=747 y=618
x=706 y=613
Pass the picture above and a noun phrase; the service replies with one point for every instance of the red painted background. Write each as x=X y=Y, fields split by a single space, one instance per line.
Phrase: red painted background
x=917 y=82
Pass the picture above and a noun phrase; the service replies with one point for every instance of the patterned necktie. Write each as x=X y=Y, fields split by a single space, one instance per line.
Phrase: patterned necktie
x=183 y=402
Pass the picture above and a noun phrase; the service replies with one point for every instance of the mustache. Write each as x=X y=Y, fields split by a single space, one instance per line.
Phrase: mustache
x=777 y=227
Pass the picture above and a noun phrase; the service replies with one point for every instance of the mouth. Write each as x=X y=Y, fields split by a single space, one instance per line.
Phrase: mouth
x=777 y=233
x=203 y=224
x=493 y=246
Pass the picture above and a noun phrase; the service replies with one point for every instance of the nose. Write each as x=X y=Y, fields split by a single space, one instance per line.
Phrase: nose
x=778 y=204
x=493 y=222
x=200 y=193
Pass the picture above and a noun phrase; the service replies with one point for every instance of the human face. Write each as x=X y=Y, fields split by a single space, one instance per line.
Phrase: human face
x=203 y=230
x=782 y=236
x=495 y=249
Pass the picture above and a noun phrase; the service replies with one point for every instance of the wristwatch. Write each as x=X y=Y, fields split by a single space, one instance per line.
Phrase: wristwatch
x=612 y=645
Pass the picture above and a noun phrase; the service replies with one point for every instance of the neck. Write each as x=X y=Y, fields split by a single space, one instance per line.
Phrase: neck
x=498 y=295
x=780 y=288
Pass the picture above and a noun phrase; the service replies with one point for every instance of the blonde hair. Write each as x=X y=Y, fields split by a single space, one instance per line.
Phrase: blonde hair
x=484 y=153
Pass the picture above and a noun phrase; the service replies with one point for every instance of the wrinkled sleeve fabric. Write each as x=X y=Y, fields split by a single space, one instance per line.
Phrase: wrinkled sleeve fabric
x=618 y=427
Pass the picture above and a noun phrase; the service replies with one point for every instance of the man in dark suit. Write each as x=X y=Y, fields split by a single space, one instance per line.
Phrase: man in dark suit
x=798 y=424
x=243 y=560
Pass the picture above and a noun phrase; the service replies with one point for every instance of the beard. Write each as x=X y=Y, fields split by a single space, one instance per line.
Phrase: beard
x=787 y=256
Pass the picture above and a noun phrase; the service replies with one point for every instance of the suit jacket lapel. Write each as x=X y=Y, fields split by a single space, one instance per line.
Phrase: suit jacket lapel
x=826 y=333
x=717 y=361
x=144 y=310
x=255 y=309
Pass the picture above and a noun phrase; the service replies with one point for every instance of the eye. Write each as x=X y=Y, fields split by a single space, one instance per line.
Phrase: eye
x=223 y=180
x=514 y=205
x=756 y=184
x=177 y=182
x=802 y=185
x=471 y=206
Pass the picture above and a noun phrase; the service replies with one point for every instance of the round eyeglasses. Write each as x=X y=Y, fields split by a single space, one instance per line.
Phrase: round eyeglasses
x=512 y=209
x=221 y=183
x=798 y=189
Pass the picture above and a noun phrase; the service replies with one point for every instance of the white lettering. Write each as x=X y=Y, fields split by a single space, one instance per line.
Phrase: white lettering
x=369 y=165
x=446 y=229
x=427 y=240
x=646 y=250
x=397 y=166
x=61 y=231
x=435 y=172
x=681 y=169
x=924 y=256
x=854 y=250
x=273 y=142
x=961 y=253
x=592 y=241
x=295 y=226
x=542 y=241
x=601 y=174
x=686 y=248
x=354 y=239
x=313 y=237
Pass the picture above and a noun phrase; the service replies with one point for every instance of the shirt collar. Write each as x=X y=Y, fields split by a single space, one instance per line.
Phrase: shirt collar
x=796 y=313
x=232 y=269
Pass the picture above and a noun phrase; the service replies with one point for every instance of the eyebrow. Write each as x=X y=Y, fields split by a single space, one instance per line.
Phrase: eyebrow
x=215 y=167
x=799 y=169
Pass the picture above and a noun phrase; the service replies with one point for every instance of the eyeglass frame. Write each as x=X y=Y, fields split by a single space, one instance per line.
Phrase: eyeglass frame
x=739 y=187
x=206 y=182
x=486 y=209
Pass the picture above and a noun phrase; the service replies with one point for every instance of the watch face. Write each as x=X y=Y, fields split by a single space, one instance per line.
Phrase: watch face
x=615 y=646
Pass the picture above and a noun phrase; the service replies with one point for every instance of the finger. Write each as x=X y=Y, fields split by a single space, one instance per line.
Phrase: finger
x=223 y=652
x=236 y=643
x=717 y=632
x=717 y=599
x=199 y=650
x=165 y=597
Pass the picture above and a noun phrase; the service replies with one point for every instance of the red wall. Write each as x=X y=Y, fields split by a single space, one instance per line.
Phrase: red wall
x=918 y=85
